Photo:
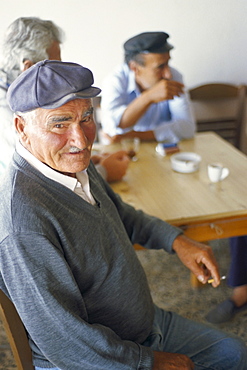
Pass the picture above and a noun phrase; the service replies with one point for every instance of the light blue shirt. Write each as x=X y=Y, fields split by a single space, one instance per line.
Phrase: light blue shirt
x=171 y=120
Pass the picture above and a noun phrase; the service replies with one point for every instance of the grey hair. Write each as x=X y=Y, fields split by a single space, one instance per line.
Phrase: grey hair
x=27 y=38
x=137 y=57
x=29 y=116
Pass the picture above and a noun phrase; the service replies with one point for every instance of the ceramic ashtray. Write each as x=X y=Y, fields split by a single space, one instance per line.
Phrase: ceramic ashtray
x=185 y=162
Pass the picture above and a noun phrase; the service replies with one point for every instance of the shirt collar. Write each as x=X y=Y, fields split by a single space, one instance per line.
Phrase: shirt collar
x=69 y=182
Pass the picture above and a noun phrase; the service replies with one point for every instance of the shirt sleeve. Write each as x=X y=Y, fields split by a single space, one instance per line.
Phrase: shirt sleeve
x=115 y=99
x=119 y=90
x=182 y=123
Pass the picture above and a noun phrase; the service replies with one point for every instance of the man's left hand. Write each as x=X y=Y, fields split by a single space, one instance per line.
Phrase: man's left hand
x=198 y=258
x=115 y=164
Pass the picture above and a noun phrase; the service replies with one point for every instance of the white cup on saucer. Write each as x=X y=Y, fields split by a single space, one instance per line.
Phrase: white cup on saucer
x=217 y=172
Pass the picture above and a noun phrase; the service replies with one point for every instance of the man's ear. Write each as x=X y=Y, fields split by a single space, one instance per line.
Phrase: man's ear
x=20 y=127
x=133 y=66
x=27 y=63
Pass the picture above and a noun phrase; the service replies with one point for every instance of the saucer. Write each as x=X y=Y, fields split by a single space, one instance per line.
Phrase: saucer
x=185 y=162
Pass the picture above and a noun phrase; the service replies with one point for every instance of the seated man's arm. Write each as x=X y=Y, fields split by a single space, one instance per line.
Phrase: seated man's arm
x=122 y=111
x=182 y=124
x=162 y=90
x=198 y=258
x=51 y=305
x=153 y=233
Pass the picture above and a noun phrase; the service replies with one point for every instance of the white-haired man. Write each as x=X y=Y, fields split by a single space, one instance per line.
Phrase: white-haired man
x=28 y=40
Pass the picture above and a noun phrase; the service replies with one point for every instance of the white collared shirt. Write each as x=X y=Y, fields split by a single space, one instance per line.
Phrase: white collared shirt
x=79 y=185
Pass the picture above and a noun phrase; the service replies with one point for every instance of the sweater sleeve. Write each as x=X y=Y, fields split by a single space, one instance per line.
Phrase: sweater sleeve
x=67 y=339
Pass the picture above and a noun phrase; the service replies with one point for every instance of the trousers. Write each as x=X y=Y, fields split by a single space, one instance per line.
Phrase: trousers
x=238 y=266
x=207 y=347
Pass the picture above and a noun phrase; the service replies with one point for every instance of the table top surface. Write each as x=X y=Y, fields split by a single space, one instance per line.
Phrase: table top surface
x=151 y=185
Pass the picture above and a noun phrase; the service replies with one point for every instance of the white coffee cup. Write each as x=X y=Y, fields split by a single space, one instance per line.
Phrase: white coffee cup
x=217 y=172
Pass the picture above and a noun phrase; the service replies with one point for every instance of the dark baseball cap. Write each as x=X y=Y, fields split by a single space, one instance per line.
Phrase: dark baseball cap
x=50 y=84
x=148 y=42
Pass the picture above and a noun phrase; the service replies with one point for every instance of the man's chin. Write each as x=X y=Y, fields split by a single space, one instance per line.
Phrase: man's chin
x=73 y=169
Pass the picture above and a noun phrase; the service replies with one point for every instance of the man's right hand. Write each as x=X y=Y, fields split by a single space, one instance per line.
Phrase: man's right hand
x=164 y=90
x=171 y=361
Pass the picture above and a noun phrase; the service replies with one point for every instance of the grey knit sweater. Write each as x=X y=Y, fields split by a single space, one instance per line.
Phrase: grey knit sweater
x=72 y=273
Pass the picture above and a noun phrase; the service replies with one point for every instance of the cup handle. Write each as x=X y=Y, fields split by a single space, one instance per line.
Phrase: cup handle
x=225 y=173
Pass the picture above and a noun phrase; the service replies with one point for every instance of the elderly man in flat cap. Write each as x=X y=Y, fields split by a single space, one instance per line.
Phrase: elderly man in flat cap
x=67 y=260
x=28 y=40
x=145 y=97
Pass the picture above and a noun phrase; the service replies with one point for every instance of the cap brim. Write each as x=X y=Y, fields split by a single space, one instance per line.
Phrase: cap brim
x=163 y=49
x=91 y=92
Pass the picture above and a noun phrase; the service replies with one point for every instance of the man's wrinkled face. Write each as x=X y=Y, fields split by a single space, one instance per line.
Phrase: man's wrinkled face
x=62 y=138
x=155 y=68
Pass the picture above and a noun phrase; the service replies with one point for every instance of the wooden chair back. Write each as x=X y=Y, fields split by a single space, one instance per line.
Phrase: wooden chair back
x=16 y=334
x=229 y=100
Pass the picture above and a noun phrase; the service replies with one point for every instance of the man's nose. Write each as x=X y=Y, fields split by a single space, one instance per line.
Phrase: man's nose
x=78 y=137
x=167 y=75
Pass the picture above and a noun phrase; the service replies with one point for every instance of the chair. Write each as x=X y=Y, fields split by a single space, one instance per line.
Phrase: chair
x=219 y=107
x=16 y=334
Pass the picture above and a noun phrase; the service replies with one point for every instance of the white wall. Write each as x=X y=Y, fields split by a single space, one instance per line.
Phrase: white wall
x=210 y=36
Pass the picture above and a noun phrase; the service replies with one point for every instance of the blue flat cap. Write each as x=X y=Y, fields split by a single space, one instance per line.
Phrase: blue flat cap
x=50 y=84
x=148 y=42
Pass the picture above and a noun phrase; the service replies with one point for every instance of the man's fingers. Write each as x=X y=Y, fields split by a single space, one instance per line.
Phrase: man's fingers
x=208 y=269
x=173 y=88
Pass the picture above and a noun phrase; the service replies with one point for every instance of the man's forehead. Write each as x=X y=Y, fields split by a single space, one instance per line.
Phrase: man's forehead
x=77 y=107
x=156 y=58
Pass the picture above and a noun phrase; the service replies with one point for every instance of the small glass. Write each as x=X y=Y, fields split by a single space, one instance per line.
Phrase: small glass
x=131 y=146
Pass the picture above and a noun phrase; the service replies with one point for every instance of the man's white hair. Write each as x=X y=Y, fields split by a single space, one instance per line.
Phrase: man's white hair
x=28 y=117
x=27 y=38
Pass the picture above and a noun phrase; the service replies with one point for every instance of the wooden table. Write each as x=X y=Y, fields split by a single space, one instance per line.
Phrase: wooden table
x=205 y=211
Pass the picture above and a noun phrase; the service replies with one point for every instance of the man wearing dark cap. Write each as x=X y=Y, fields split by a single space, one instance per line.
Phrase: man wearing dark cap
x=67 y=260
x=145 y=97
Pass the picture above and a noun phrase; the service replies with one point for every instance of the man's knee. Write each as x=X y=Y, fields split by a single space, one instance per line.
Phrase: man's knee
x=235 y=352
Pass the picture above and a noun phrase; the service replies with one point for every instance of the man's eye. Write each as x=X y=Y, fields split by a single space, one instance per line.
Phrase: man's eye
x=59 y=125
x=87 y=119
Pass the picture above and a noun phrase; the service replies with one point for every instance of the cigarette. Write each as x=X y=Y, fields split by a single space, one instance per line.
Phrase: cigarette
x=210 y=281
